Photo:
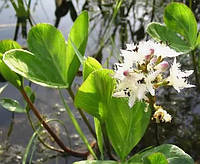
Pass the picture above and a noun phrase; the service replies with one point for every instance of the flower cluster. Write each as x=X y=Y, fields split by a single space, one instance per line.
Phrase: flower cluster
x=142 y=71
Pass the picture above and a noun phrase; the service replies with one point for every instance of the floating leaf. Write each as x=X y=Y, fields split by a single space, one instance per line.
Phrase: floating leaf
x=12 y=105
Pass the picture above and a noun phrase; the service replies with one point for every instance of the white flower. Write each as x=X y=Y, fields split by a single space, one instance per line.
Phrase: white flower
x=177 y=77
x=162 y=115
x=159 y=49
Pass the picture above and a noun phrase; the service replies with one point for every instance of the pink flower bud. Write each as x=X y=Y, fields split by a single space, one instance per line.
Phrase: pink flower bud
x=164 y=65
x=150 y=54
x=151 y=51
x=126 y=73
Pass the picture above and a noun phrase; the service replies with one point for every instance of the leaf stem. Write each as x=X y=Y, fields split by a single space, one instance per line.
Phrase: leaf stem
x=83 y=115
x=76 y=125
x=50 y=131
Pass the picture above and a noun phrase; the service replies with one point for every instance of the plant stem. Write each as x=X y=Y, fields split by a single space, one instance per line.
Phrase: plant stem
x=45 y=144
x=195 y=69
x=83 y=115
x=106 y=141
x=50 y=131
x=76 y=125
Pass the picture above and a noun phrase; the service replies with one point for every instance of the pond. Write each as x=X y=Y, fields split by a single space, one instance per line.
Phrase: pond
x=105 y=41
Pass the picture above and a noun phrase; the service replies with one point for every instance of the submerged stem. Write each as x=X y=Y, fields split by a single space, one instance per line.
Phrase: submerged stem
x=83 y=115
x=50 y=131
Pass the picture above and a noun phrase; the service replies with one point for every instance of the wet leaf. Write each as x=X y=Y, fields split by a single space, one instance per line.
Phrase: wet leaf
x=178 y=17
x=173 y=154
x=12 y=105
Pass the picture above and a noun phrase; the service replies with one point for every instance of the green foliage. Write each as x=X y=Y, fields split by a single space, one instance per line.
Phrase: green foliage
x=155 y=158
x=180 y=31
x=173 y=154
x=96 y=162
x=51 y=62
x=12 y=105
x=78 y=35
x=95 y=93
x=12 y=77
x=90 y=65
x=125 y=126
x=180 y=18
x=160 y=32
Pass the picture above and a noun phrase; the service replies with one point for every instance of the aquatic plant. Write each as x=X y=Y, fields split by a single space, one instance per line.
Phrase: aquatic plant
x=121 y=101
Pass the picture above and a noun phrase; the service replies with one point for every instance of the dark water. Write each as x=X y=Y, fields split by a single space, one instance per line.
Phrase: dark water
x=184 y=130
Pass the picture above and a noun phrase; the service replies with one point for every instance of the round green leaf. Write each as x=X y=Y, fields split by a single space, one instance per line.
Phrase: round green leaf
x=162 y=33
x=178 y=17
x=34 y=68
x=173 y=154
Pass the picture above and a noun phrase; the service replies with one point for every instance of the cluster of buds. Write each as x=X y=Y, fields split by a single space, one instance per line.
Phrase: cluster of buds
x=143 y=69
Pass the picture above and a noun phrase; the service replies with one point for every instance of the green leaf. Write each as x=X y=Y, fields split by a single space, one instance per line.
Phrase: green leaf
x=51 y=62
x=12 y=105
x=178 y=17
x=6 y=45
x=9 y=75
x=96 y=162
x=79 y=36
x=90 y=65
x=160 y=32
x=35 y=68
x=95 y=92
x=125 y=126
x=173 y=154
x=156 y=158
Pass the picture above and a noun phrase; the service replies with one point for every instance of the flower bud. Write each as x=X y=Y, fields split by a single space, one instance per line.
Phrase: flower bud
x=162 y=66
x=126 y=73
